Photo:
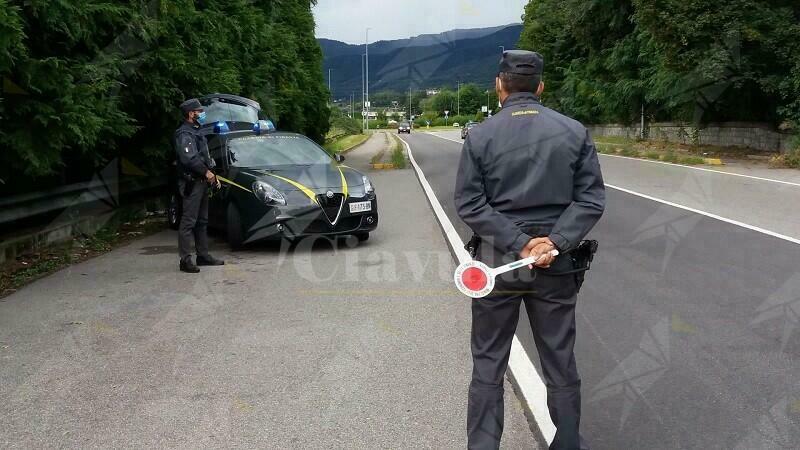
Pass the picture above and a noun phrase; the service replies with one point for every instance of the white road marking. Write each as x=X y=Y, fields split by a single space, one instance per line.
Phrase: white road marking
x=733 y=174
x=698 y=211
x=707 y=214
x=530 y=383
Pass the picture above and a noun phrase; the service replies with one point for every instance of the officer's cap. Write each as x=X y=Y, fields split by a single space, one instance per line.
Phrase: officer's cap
x=192 y=104
x=521 y=62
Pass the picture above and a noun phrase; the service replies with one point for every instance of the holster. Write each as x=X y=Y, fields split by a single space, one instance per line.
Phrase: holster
x=582 y=257
x=188 y=185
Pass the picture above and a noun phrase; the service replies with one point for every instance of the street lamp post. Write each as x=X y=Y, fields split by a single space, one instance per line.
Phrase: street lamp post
x=363 y=98
x=367 y=80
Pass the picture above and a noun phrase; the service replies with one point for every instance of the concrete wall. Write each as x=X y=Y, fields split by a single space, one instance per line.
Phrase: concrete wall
x=733 y=134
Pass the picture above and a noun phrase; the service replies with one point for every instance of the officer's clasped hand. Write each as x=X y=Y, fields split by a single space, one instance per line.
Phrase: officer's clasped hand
x=539 y=247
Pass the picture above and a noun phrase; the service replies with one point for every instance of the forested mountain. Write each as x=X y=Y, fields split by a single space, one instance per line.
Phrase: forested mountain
x=696 y=61
x=85 y=82
x=426 y=61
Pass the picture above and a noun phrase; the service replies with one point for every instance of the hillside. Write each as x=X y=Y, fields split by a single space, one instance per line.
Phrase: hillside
x=421 y=62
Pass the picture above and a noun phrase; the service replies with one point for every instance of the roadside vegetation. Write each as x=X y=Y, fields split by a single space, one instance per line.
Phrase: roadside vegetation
x=345 y=133
x=398 y=154
x=111 y=86
x=121 y=230
x=662 y=151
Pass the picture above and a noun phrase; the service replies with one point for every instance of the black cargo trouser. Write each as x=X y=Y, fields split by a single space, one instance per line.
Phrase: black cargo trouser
x=550 y=305
x=193 y=230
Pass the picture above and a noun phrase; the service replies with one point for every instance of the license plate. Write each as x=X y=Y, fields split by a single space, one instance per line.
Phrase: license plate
x=359 y=207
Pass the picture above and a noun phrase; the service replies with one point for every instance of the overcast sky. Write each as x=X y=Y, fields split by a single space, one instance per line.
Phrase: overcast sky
x=346 y=20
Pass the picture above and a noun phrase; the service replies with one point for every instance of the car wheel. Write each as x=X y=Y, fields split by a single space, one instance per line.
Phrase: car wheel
x=362 y=237
x=234 y=227
x=174 y=211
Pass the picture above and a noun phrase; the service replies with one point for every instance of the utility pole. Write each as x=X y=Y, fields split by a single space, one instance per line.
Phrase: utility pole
x=641 y=131
x=329 y=84
x=458 y=104
x=363 y=98
x=409 y=104
x=352 y=97
x=367 y=67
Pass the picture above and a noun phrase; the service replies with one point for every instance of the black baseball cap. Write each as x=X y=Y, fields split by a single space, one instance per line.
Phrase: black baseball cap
x=521 y=62
x=192 y=104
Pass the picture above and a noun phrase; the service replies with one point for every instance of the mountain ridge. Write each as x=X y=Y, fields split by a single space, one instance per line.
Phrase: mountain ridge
x=420 y=62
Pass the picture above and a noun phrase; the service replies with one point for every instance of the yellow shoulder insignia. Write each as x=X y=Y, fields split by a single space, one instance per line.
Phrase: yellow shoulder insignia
x=527 y=112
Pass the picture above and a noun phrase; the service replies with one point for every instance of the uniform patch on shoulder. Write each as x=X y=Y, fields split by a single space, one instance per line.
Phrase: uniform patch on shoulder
x=527 y=112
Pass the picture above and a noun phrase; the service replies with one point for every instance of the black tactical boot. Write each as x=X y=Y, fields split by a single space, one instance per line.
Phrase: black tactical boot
x=209 y=260
x=188 y=266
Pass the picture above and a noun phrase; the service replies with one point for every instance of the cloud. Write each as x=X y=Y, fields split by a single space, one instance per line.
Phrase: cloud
x=347 y=20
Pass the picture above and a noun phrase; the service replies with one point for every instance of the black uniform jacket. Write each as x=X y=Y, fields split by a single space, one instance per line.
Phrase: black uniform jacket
x=192 y=151
x=529 y=168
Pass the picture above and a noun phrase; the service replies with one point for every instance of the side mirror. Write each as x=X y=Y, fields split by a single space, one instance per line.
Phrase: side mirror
x=339 y=158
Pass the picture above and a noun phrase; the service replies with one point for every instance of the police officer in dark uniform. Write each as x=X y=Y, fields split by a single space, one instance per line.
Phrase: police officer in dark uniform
x=194 y=178
x=529 y=182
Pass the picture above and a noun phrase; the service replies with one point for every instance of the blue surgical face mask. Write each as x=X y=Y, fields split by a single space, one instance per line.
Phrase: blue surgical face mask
x=201 y=119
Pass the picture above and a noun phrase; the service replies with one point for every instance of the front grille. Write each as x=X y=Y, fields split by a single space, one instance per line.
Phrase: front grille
x=321 y=226
x=331 y=206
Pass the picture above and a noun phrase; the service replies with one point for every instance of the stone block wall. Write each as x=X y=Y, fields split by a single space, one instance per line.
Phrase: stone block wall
x=734 y=134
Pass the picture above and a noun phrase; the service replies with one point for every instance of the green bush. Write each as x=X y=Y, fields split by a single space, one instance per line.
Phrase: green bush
x=652 y=155
x=670 y=157
x=86 y=82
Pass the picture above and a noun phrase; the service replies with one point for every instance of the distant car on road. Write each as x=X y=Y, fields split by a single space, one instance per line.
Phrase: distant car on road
x=468 y=126
x=404 y=127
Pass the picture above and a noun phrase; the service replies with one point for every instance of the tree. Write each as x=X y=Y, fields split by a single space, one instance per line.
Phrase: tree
x=686 y=60
x=86 y=82
x=472 y=98
x=441 y=102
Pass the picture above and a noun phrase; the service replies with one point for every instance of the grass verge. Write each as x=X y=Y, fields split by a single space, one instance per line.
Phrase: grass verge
x=345 y=143
x=30 y=267
x=398 y=154
x=789 y=160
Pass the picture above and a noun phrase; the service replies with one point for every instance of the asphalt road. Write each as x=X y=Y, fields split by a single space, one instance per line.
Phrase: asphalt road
x=688 y=326
x=318 y=347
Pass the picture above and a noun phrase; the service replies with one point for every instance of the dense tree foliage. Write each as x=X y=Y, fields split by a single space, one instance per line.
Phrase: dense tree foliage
x=86 y=81
x=687 y=60
x=471 y=98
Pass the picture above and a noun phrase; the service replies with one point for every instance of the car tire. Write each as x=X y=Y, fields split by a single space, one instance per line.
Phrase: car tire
x=234 y=227
x=362 y=237
x=174 y=211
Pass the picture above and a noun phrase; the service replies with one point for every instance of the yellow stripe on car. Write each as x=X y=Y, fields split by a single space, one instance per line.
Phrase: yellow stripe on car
x=305 y=190
x=225 y=180
x=344 y=182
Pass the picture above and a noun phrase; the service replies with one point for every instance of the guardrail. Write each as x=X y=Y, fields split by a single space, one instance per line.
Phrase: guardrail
x=107 y=188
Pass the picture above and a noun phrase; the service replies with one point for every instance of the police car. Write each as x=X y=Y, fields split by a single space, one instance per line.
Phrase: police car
x=279 y=185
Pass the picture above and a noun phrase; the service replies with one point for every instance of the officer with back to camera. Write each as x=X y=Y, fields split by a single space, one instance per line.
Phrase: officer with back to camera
x=194 y=178
x=529 y=182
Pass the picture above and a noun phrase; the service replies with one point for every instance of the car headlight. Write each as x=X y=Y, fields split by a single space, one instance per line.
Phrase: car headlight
x=367 y=185
x=268 y=194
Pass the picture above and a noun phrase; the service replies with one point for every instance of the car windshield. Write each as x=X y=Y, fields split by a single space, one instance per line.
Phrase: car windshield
x=219 y=111
x=403 y=124
x=276 y=150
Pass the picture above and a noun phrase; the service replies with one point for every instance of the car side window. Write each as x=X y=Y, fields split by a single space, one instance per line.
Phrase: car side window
x=217 y=155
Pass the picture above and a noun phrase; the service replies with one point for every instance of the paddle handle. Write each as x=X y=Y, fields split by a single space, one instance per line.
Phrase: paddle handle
x=521 y=263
